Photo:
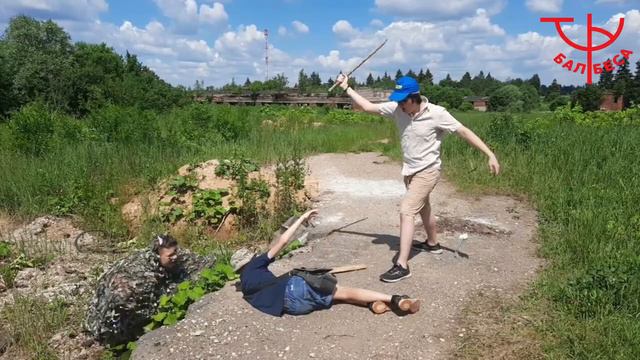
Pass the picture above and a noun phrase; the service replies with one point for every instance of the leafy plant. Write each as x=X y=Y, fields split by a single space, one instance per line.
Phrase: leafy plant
x=5 y=250
x=236 y=169
x=208 y=206
x=182 y=184
x=173 y=308
x=290 y=175
x=294 y=245
x=172 y=214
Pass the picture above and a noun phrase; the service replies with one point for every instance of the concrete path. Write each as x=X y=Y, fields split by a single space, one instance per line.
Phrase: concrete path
x=501 y=257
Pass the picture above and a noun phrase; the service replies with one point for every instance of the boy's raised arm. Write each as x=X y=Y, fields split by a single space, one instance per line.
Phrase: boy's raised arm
x=284 y=238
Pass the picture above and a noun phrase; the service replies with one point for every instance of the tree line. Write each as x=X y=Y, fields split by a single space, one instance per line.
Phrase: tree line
x=38 y=62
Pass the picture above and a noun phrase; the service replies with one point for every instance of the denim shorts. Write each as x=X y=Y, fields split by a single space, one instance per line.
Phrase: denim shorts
x=300 y=298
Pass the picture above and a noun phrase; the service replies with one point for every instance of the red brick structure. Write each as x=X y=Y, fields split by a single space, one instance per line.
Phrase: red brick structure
x=480 y=103
x=610 y=103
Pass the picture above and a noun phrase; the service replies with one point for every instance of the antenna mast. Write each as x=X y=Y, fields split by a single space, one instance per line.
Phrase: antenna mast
x=266 y=52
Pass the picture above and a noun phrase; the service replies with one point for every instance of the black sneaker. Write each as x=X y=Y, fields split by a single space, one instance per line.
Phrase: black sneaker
x=424 y=246
x=396 y=273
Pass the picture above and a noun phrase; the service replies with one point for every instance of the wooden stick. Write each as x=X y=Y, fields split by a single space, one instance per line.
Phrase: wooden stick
x=362 y=62
x=347 y=268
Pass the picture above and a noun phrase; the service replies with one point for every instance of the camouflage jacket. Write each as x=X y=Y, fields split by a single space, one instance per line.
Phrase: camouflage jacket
x=128 y=293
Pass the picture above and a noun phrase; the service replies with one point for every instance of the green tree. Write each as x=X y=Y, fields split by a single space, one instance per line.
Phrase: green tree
x=98 y=71
x=535 y=82
x=428 y=77
x=7 y=101
x=589 y=97
x=554 y=97
x=606 y=80
x=369 y=82
x=303 y=81
x=530 y=97
x=465 y=81
x=399 y=74
x=447 y=81
x=507 y=97
x=636 y=85
x=314 y=79
x=38 y=58
x=623 y=84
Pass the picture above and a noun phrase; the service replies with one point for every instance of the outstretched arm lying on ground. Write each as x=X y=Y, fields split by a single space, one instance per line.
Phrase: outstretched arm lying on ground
x=284 y=238
x=474 y=140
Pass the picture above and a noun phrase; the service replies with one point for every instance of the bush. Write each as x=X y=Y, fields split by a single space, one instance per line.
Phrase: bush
x=466 y=106
x=505 y=96
x=124 y=124
x=32 y=129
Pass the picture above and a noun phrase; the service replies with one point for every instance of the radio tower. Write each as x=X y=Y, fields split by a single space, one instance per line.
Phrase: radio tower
x=266 y=52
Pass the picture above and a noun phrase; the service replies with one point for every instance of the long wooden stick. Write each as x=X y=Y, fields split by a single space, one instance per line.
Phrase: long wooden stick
x=361 y=63
x=347 y=268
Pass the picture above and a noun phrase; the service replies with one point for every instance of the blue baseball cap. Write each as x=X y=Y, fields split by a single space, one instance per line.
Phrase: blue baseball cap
x=405 y=86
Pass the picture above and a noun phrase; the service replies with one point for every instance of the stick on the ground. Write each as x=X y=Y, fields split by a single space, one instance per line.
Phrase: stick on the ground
x=345 y=226
x=347 y=268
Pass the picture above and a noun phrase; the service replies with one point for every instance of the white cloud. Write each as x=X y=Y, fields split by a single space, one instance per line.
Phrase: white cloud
x=333 y=61
x=300 y=27
x=213 y=14
x=376 y=23
x=433 y=9
x=343 y=28
x=550 y=6
x=56 y=9
x=481 y=23
x=187 y=16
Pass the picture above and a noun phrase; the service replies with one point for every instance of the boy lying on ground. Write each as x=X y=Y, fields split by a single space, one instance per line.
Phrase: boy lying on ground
x=298 y=293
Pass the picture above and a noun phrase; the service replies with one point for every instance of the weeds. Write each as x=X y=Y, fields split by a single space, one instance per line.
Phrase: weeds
x=584 y=179
x=20 y=318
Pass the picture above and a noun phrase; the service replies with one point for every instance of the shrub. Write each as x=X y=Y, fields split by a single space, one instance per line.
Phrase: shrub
x=32 y=129
x=466 y=106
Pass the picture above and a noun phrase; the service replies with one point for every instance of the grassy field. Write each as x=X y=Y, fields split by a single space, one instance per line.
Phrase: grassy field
x=584 y=180
x=585 y=183
x=78 y=166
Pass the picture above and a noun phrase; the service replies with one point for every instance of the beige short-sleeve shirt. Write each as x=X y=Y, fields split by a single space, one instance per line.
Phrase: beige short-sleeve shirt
x=422 y=136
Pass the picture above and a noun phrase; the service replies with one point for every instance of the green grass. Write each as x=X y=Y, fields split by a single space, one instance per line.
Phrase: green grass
x=82 y=171
x=33 y=340
x=585 y=184
x=583 y=180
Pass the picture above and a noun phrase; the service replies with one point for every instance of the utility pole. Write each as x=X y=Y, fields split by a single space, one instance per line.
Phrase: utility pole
x=266 y=53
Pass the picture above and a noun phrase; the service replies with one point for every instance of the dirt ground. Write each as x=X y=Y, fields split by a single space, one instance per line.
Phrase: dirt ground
x=500 y=260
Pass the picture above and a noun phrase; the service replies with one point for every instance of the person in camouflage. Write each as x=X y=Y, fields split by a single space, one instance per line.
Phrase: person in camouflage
x=128 y=293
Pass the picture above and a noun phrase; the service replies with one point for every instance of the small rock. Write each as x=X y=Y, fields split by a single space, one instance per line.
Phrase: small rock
x=197 y=333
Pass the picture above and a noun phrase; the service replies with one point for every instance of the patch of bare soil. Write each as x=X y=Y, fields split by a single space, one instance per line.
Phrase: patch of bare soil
x=67 y=275
x=162 y=201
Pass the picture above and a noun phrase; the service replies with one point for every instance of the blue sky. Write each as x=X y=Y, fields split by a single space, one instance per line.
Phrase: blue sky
x=214 y=41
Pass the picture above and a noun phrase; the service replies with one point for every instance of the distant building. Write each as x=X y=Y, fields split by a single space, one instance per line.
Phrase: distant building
x=373 y=95
x=480 y=103
x=609 y=102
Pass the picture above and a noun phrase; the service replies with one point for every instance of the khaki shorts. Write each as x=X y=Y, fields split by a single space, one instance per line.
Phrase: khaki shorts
x=419 y=186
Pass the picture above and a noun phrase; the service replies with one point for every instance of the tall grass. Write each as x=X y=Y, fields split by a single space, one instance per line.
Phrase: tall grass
x=585 y=183
x=89 y=167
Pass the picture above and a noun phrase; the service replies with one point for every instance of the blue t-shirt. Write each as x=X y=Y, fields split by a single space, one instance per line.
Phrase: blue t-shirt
x=261 y=288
